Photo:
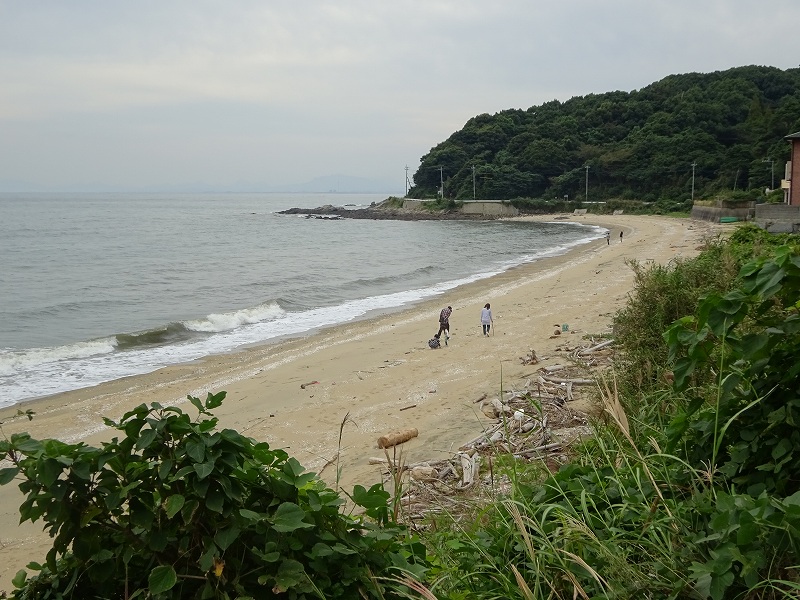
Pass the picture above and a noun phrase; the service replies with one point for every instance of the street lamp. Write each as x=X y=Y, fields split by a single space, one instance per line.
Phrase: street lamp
x=473 y=182
x=771 y=172
x=694 y=164
x=586 y=194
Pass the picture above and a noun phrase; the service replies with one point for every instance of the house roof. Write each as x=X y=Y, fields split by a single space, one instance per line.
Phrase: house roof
x=793 y=136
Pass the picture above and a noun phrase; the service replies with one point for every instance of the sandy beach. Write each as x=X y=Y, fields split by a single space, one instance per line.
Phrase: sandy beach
x=372 y=368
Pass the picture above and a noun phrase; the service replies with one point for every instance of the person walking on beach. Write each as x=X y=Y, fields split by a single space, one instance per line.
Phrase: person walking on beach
x=444 y=323
x=620 y=237
x=486 y=319
x=608 y=237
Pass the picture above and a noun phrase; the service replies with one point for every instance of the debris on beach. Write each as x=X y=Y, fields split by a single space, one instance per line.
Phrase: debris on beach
x=396 y=437
x=536 y=421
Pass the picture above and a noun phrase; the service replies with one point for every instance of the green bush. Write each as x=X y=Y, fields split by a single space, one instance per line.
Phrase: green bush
x=177 y=509
x=661 y=295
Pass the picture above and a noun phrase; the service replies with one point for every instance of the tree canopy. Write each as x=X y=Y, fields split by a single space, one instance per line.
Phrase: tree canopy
x=724 y=130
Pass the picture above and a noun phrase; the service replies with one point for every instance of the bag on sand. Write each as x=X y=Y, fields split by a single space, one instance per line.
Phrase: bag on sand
x=434 y=343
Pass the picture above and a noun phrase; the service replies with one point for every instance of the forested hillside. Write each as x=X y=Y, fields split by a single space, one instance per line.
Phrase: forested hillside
x=637 y=145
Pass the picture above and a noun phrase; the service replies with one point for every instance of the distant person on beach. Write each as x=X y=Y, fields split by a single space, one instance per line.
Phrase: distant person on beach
x=608 y=238
x=620 y=237
x=444 y=323
x=486 y=319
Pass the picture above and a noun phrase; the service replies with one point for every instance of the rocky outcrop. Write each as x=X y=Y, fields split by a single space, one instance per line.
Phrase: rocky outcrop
x=383 y=212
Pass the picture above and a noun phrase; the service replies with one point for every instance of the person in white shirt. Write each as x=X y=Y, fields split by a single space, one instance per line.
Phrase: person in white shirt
x=486 y=319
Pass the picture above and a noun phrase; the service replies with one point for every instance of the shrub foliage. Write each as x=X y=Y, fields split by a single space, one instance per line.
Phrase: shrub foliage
x=178 y=509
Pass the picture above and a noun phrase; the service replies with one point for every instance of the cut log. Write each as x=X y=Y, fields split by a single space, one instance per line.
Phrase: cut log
x=396 y=437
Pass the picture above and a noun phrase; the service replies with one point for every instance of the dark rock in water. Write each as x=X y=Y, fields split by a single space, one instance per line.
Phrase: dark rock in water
x=378 y=212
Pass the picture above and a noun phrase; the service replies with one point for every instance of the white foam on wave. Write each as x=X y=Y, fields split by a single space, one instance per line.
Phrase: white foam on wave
x=219 y=322
x=15 y=361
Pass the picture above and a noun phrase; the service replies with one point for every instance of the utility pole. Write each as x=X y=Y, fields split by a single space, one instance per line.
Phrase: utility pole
x=694 y=164
x=771 y=172
x=586 y=194
x=406 y=180
x=441 y=180
x=473 y=182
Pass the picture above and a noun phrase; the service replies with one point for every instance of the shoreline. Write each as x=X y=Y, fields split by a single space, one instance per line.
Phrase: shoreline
x=369 y=369
x=69 y=365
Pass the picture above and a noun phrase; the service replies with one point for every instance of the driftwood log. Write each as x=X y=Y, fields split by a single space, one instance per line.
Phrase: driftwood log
x=396 y=437
x=595 y=348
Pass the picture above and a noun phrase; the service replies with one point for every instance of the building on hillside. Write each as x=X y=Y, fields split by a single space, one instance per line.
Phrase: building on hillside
x=791 y=182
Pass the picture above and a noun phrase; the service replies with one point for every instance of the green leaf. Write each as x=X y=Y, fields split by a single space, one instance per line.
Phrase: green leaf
x=146 y=438
x=19 y=579
x=196 y=403
x=783 y=447
x=49 y=471
x=225 y=537
x=289 y=517
x=7 y=475
x=162 y=579
x=250 y=515
x=27 y=445
x=214 y=400
x=375 y=497
x=164 y=469
x=196 y=450
x=174 y=504
x=289 y=574
x=215 y=500
x=203 y=470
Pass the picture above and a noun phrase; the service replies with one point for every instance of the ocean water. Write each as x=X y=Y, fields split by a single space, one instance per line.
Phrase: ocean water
x=95 y=287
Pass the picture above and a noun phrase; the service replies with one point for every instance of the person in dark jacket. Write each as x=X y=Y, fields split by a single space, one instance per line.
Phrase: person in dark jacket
x=444 y=323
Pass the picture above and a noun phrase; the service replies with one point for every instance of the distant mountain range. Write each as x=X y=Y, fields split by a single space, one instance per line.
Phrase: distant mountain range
x=331 y=184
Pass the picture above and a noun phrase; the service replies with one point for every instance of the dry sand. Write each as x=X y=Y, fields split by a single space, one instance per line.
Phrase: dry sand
x=371 y=369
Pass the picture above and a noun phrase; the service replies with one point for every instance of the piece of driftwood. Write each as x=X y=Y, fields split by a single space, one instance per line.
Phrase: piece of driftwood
x=407 y=407
x=396 y=437
x=552 y=368
x=304 y=385
x=466 y=469
x=595 y=348
x=482 y=398
x=424 y=473
x=484 y=436
x=539 y=449
x=500 y=407
x=573 y=381
x=470 y=467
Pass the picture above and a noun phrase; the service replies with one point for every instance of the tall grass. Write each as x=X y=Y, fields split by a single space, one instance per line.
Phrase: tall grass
x=625 y=518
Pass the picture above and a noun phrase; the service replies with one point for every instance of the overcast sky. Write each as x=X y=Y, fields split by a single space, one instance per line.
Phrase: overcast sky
x=224 y=93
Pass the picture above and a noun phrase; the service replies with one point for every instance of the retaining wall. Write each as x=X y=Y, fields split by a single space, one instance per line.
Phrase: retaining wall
x=778 y=218
x=495 y=209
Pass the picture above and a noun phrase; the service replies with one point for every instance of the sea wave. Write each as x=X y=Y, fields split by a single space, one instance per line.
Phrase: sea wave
x=38 y=372
x=169 y=334
x=14 y=361
x=219 y=322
